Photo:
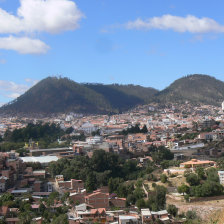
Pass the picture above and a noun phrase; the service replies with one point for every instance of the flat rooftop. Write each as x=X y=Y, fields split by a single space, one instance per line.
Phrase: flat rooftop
x=39 y=159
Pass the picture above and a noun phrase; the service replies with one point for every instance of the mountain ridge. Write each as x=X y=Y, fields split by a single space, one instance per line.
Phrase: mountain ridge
x=61 y=95
x=195 y=88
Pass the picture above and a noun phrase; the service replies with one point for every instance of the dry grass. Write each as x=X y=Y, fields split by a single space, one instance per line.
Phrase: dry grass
x=216 y=218
x=207 y=210
x=177 y=181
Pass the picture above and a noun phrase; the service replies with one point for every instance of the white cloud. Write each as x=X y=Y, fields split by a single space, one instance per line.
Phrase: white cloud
x=23 y=45
x=51 y=16
x=13 y=95
x=189 y=23
x=31 y=81
x=12 y=90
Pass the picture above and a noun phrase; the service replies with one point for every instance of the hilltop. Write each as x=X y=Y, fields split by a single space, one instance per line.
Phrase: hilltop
x=197 y=89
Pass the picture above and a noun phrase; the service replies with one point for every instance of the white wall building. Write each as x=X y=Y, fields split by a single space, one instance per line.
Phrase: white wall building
x=88 y=127
x=94 y=140
x=221 y=177
x=223 y=106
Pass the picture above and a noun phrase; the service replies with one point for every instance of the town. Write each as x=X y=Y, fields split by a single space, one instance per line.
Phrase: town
x=152 y=164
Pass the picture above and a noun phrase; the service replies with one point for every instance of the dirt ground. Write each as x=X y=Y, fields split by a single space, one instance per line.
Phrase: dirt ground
x=172 y=182
x=204 y=209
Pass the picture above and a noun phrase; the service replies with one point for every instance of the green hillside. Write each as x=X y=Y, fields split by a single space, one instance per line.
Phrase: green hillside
x=59 y=95
x=198 y=89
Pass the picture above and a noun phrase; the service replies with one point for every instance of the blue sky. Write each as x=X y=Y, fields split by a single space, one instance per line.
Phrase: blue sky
x=145 y=42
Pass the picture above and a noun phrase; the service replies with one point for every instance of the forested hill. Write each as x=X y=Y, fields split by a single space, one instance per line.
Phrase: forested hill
x=62 y=95
x=198 y=89
x=59 y=95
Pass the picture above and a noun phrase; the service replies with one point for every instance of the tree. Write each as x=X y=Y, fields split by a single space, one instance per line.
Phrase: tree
x=187 y=197
x=191 y=215
x=208 y=188
x=114 y=184
x=140 y=203
x=201 y=173
x=97 y=132
x=52 y=197
x=172 y=210
x=69 y=130
x=192 y=179
x=42 y=208
x=160 y=154
x=25 y=217
x=183 y=189
x=139 y=193
x=130 y=200
x=157 y=198
x=65 y=196
x=61 y=219
x=212 y=175
x=6 y=197
x=163 y=178
x=90 y=183
x=144 y=129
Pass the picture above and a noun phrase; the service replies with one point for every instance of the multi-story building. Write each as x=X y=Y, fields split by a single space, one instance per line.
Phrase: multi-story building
x=98 y=199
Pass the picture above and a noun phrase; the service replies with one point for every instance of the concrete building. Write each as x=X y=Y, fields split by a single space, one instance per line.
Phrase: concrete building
x=162 y=215
x=94 y=140
x=223 y=106
x=194 y=163
x=126 y=219
x=98 y=200
x=221 y=177
x=146 y=215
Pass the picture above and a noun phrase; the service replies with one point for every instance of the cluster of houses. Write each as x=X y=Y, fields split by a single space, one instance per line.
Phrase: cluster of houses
x=96 y=206
x=84 y=213
x=164 y=124
x=19 y=179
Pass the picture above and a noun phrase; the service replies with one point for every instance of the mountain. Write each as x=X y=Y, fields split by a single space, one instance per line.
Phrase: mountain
x=60 y=95
x=124 y=97
x=197 y=89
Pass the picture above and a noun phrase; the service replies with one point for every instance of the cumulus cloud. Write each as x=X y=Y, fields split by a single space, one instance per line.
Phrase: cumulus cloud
x=23 y=45
x=189 y=23
x=12 y=90
x=50 y=16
